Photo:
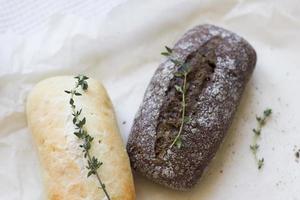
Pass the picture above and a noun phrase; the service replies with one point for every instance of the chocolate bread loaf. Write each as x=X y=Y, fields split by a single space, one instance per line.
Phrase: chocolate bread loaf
x=189 y=106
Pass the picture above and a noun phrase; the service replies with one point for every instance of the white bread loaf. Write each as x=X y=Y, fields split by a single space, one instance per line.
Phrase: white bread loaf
x=64 y=167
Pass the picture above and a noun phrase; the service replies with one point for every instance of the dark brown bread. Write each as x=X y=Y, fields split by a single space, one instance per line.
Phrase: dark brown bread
x=220 y=64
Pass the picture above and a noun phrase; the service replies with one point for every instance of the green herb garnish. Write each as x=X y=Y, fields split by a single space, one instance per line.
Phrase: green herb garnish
x=261 y=121
x=168 y=51
x=182 y=89
x=81 y=133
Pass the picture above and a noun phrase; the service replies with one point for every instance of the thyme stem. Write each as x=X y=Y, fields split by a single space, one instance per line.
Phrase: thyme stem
x=99 y=179
x=81 y=133
x=181 y=73
x=90 y=158
x=183 y=110
x=261 y=121
x=254 y=149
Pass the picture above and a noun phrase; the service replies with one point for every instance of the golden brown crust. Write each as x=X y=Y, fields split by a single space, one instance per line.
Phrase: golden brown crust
x=49 y=118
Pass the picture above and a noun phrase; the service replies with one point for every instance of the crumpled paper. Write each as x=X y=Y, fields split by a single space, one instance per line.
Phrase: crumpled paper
x=123 y=50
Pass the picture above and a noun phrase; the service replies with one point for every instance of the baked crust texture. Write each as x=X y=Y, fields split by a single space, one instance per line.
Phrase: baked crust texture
x=64 y=168
x=224 y=62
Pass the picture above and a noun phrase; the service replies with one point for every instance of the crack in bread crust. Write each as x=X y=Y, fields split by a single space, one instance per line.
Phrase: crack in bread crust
x=201 y=65
x=212 y=106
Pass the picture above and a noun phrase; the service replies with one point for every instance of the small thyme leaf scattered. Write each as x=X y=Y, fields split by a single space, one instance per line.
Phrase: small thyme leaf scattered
x=81 y=81
x=74 y=120
x=176 y=62
x=79 y=134
x=261 y=121
x=168 y=52
x=178 y=142
x=81 y=78
x=178 y=88
x=165 y=53
x=254 y=147
x=84 y=85
x=178 y=74
x=257 y=132
x=71 y=101
x=267 y=112
x=260 y=163
x=93 y=164
x=80 y=123
x=187 y=119
x=184 y=68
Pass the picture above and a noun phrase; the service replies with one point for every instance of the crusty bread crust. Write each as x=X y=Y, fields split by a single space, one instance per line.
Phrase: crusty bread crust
x=221 y=63
x=64 y=167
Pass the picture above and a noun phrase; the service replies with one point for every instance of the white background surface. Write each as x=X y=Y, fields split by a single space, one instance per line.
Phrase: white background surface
x=119 y=42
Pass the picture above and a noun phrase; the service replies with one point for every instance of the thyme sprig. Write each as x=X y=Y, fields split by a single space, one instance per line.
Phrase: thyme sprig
x=182 y=89
x=93 y=164
x=261 y=121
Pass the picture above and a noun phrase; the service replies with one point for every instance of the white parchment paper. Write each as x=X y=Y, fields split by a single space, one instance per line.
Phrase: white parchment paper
x=123 y=50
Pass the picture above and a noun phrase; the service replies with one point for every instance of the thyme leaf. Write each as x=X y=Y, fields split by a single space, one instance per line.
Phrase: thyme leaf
x=178 y=142
x=168 y=51
x=178 y=88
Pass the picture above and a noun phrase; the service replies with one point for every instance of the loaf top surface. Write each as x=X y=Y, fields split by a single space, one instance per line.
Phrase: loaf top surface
x=64 y=167
x=213 y=111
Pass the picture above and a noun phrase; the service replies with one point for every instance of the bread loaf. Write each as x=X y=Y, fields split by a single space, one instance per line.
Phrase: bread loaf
x=219 y=63
x=63 y=164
